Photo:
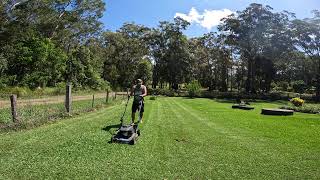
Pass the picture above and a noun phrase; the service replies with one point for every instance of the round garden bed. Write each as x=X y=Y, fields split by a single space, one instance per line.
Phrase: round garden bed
x=278 y=112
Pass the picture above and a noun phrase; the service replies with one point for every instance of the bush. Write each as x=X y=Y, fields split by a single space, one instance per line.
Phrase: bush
x=20 y=91
x=297 y=102
x=299 y=86
x=165 y=92
x=60 y=88
x=194 y=88
x=307 y=108
x=283 y=85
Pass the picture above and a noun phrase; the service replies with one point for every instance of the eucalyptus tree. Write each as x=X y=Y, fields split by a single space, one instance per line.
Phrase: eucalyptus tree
x=253 y=32
x=126 y=54
x=169 y=49
x=307 y=33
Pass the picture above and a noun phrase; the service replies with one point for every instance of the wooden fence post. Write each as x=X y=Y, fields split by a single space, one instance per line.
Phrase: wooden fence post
x=107 y=97
x=115 y=95
x=92 y=100
x=68 y=98
x=13 y=99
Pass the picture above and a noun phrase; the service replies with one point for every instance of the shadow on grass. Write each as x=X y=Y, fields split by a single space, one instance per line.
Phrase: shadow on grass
x=253 y=101
x=190 y=98
x=114 y=126
x=229 y=101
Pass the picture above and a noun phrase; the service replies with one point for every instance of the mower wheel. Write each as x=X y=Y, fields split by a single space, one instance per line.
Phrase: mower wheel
x=132 y=142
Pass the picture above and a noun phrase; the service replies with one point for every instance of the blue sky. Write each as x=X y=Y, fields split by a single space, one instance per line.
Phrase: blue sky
x=202 y=14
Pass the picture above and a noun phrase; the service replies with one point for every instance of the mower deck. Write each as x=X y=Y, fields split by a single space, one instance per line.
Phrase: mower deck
x=127 y=134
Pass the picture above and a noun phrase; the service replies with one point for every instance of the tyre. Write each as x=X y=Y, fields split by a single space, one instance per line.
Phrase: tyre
x=133 y=142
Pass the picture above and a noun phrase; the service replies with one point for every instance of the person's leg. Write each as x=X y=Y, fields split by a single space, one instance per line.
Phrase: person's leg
x=133 y=114
x=141 y=110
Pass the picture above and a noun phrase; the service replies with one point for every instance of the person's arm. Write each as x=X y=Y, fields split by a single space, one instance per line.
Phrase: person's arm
x=145 y=91
x=131 y=91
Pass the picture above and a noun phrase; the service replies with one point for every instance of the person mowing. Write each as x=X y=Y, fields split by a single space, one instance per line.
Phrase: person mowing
x=138 y=91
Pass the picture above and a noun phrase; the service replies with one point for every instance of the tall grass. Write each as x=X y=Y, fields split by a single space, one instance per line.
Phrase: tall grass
x=33 y=115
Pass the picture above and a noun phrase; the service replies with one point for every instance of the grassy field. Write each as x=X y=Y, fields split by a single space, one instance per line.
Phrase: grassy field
x=181 y=139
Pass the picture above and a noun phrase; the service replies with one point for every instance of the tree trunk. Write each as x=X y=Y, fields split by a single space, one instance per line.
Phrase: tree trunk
x=154 y=83
x=231 y=77
x=249 y=77
x=250 y=83
x=224 y=87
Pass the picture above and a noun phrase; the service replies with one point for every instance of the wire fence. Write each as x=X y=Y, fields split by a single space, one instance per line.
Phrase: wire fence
x=32 y=111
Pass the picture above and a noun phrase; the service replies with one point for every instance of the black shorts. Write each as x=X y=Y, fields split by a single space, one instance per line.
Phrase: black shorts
x=136 y=106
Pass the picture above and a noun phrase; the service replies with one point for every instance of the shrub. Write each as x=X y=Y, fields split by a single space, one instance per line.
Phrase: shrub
x=60 y=88
x=307 y=108
x=193 y=88
x=165 y=92
x=20 y=91
x=297 y=102
x=283 y=85
x=299 y=86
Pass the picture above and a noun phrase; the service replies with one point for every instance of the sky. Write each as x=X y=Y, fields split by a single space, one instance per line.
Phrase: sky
x=204 y=15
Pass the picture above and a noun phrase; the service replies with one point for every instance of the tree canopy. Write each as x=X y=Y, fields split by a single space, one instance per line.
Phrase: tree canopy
x=255 y=50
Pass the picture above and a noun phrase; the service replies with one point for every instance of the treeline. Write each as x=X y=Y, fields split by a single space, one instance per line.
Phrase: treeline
x=43 y=43
x=255 y=50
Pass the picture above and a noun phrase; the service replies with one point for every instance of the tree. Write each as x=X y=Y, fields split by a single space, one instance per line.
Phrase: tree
x=38 y=35
x=307 y=33
x=34 y=62
x=144 y=71
x=253 y=32
x=169 y=49
x=125 y=50
x=212 y=59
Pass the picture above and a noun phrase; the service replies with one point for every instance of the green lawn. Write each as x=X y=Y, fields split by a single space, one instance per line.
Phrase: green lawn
x=181 y=139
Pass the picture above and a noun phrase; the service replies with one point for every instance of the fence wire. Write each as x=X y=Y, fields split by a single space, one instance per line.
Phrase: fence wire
x=35 y=110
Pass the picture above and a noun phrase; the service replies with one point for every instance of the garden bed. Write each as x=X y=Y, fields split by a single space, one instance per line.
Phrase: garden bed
x=277 y=112
x=306 y=108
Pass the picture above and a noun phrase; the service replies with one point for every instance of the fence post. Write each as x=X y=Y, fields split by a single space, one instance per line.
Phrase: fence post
x=92 y=100
x=107 y=97
x=68 y=98
x=115 y=95
x=13 y=99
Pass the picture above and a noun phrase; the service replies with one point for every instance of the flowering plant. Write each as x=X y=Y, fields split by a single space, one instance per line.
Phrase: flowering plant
x=297 y=101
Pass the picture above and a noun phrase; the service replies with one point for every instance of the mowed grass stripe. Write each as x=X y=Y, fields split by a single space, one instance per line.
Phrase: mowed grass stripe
x=181 y=139
x=266 y=153
x=54 y=149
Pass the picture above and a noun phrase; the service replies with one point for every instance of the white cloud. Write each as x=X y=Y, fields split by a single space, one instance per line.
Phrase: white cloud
x=193 y=16
x=208 y=19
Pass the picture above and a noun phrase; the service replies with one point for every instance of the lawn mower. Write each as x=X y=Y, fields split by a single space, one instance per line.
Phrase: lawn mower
x=127 y=134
